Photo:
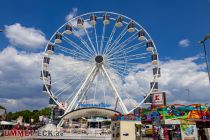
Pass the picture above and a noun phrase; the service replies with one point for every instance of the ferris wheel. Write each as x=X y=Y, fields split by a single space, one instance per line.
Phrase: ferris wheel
x=103 y=59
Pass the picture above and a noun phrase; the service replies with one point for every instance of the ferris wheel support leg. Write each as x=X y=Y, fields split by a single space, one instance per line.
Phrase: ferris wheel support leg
x=122 y=105
x=89 y=83
x=73 y=102
x=84 y=85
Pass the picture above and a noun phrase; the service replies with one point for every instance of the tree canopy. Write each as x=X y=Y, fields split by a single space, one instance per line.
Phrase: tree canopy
x=27 y=115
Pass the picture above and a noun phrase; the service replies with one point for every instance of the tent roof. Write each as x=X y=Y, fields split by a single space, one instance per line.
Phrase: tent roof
x=92 y=111
x=6 y=123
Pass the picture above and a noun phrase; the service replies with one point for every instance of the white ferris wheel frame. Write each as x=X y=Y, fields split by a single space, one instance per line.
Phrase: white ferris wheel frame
x=96 y=68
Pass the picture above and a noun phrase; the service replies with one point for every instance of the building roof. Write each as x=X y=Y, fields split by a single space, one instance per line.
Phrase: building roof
x=91 y=111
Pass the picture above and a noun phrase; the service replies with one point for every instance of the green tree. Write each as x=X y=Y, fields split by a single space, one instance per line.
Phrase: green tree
x=27 y=115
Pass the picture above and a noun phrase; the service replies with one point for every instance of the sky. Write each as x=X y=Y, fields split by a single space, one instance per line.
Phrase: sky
x=175 y=26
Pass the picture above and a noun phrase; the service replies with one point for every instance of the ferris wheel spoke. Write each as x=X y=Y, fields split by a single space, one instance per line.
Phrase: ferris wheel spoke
x=76 y=57
x=62 y=90
x=72 y=104
x=109 y=40
x=117 y=62
x=113 y=73
x=104 y=91
x=77 y=87
x=60 y=80
x=143 y=90
x=132 y=48
x=83 y=42
x=115 y=91
x=73 y=52
x=69 y=86
x=87 y=46
x=76 y=46
x=131 y=100
x=102 y=39
x=117 y=66
x=123 y=62
x=119 y=72
x=117 y=40
x=68 y=98
x=149 y=93
x=86 y=89
x=124 y=31
x=74 y=78
x=123 y=44
x=136 y=58
x=127 y=50
x=76 y=63
x=131 y=57
x=75 y=72
x=120 y=48
x=96 y=86
x=90 y=83
x=63 y=77
x=90 y=41
x=96 y=38
x=68 y=76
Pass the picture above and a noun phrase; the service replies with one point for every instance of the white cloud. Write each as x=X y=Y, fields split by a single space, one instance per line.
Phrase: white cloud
x=21 y=87
x=19 y=81
x=184 y=43
x=72 y=14
x=176 y=77
x=185 y=74
x=21 y=36
x=24 y=103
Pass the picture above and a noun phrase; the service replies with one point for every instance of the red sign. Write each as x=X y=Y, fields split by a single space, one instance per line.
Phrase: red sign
x=158 y=98
x=18 y=133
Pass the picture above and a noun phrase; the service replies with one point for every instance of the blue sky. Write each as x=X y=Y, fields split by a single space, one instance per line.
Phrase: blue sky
x=168 y=22
x=175 y=26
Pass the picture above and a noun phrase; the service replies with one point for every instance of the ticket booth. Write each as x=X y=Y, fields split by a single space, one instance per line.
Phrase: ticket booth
x=126 y=127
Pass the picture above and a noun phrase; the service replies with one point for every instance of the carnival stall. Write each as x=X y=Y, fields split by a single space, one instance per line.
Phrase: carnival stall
x=178 y=121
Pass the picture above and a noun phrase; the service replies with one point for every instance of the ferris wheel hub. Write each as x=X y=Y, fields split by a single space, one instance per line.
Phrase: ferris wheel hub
x=99 y=59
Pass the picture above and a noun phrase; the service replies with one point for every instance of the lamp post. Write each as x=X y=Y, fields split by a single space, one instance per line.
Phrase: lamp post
x=203 y=42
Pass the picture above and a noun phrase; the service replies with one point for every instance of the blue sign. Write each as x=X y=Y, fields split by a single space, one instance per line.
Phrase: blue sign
x=101 y=105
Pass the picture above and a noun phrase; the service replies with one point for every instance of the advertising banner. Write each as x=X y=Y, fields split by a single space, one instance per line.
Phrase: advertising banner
x=189 y=132
x=171 y=121
x=158 y=99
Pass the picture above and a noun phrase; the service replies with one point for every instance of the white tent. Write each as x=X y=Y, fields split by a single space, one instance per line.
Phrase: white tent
x=7 y=123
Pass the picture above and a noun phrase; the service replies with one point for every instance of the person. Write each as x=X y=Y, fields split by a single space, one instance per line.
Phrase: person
x=161 y=132
x=203 y=135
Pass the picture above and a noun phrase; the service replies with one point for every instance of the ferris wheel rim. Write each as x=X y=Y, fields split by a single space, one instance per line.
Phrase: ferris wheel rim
x=89 y=13
x=97 y=12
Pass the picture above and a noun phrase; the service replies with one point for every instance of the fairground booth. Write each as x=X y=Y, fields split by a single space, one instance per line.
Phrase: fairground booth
x=177 y=121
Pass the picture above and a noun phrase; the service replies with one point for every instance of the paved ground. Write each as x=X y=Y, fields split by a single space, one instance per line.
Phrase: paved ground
x=60 y=137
